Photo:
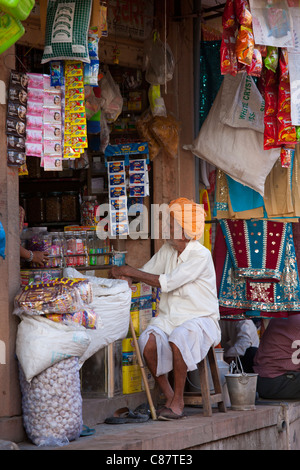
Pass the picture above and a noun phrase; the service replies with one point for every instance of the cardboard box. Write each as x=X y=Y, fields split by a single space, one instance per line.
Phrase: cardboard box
x=144 y=319
x=145 y=302
x=150 y=379
x=136 y=290
x=136 y=324
x=145 y=289
x=128 y=345
x=132 y=379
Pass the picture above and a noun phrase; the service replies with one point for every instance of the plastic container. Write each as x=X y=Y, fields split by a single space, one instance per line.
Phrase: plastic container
x=53 y=207
x=11 y=30
x=19 y=9
x=56 y=250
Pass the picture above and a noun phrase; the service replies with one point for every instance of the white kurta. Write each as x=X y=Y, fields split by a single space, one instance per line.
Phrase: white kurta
x=188 y=300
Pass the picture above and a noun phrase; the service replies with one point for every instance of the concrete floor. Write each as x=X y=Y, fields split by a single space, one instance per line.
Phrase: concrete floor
x=271 y=426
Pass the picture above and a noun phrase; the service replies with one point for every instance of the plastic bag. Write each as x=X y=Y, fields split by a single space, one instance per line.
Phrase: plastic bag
x=41 y=299
x=166 y=132
x=159 y=62
x=143 y=128
x=41 y=343
x=228 y=58
x=111 y=98
x=245 y=45
x=52 y=404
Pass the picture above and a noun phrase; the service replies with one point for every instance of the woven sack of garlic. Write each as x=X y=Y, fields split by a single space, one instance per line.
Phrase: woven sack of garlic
x=52 y=404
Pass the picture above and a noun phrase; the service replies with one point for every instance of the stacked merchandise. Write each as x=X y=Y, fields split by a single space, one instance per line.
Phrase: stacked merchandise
x=43 y=121
x=16 y=119
x=52 y=336
x=257 y=189
x=263 y=41
x=141 y=314
x=128 y=179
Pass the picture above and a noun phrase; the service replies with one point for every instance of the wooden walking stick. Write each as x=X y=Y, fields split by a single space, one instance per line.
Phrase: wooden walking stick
x=141 y=364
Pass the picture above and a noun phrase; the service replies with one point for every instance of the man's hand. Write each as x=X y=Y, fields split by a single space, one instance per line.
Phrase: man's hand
x=40 y=258
x=117 y=272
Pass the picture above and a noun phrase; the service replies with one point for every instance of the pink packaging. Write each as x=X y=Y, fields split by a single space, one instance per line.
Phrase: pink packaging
x=52 y=116
x=34 y=135
x=34 y=150
x=34 y=122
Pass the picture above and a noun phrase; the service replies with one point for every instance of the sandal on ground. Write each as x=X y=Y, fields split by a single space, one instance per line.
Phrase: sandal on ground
x=166 y=414
x=125 y=415
x=86 y=431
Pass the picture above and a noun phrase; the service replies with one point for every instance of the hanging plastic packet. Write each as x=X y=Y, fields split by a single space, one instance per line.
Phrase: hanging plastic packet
x=93 y=43
x=255 y=69
x=284 y=65
x=271 y=103
x=228 y=17
x=298 y=133
x=56 y=73
x=286 y=130
x=286 y=156
x=90 y=73
x=271 y=59
x=228 y=61
x=245 y=45
x=242 y=12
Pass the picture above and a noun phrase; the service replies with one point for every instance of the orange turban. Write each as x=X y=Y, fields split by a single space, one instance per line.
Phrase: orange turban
x=190 y=216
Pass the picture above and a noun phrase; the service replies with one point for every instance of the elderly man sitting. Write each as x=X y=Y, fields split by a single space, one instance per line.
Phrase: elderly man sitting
x=187 y=324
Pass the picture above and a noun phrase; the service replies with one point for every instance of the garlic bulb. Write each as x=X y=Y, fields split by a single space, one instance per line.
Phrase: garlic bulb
x=52 y=404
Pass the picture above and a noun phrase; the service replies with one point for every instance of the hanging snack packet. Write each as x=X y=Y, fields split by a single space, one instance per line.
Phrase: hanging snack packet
x=228 y=17
x=284 y=97
x=271 y=59
x=242 y=12
x=255 y=68
x=284 y=66
x=286 y=156
x=286 y=131
x=245 y=45
x=56 y=73
x=270 y=132
x=228 y=63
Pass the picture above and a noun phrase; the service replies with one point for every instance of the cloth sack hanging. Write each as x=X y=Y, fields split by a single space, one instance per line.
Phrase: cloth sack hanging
x=237 y=151
x=242 y=105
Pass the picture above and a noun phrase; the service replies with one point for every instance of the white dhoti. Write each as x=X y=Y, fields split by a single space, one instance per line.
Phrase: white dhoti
x=193 y=339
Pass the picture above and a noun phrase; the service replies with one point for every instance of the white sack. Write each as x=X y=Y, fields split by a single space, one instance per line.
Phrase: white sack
x=41 y=343
x=101 y=285
x=115 y=314
x=112 y=301
x=241 y=103
x=238 y=152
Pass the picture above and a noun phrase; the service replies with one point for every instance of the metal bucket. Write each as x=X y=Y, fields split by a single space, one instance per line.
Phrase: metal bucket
x=242 y=390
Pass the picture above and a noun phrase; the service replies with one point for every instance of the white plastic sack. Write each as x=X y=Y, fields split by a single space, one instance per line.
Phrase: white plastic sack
x=241 y=103
x=237 y=151
x=101 y=285
x=41 y=343
x=112 y=301
x=115 y=314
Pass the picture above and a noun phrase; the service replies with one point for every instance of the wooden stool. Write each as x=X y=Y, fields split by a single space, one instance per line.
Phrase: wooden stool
x=206 y=397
